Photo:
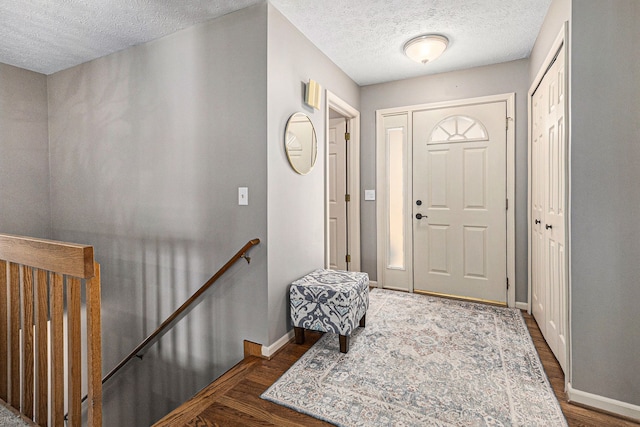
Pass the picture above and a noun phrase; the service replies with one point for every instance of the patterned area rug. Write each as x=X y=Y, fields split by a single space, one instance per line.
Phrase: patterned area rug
x=424 y=361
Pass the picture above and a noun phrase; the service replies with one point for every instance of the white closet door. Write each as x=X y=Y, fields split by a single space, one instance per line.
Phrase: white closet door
x=538 y=173
x=549 y=147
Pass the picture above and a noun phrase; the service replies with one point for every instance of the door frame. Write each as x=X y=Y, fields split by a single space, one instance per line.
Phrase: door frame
x=352 y=117
x=561 y=39
x=381 y=214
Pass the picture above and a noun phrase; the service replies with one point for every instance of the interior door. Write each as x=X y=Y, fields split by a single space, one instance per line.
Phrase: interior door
x=459 y=209
x=337 y=191
x=549 y=275
x=538 y=176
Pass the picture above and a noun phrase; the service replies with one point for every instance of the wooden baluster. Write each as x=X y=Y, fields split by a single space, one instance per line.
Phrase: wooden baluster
x=42 y=345
x=74 y=360
x=94 y=350
x=27 y=341
x=4 y=334
x=14 y=313
x=29 y=304
x=57 y=349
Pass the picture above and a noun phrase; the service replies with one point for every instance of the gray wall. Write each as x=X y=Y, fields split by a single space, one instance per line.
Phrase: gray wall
x=559 y=12
x=482 y=81
x=605 y=201
x=295 y=202
x=605 y=154
x=148 y=147
x=24 y=153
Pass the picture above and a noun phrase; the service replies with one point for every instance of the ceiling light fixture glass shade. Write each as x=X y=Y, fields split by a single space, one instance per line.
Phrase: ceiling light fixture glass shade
x=425 y=48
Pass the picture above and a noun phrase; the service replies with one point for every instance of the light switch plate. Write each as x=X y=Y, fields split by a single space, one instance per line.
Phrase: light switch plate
x=243 y=196
x=369 y=194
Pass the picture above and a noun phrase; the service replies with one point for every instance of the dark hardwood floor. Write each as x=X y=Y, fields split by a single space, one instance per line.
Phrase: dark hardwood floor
x=234 y=399
x=576 y=416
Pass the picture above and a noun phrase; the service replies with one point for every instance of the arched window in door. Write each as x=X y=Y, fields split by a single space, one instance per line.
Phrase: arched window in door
x=458 y=129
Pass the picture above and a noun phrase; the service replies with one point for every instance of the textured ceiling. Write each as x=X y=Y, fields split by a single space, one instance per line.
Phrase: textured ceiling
x=50 y=35
x=363 y=37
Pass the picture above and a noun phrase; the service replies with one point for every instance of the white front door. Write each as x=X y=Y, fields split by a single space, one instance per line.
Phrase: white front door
x=337 y=192
x=459 y=201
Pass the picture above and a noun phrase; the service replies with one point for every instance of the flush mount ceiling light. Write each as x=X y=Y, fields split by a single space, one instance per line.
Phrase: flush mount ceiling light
x=425 y=48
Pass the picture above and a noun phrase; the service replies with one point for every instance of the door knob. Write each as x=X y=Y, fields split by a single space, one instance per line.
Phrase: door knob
x=537 y=221
x=420 y=216
x=547 y=226
x=418 y=202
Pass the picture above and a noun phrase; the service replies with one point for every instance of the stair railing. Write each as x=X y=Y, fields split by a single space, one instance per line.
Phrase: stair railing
x=35 y=276
x=181 y=311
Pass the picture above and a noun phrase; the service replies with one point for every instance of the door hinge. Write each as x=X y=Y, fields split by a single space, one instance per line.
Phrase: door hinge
x=507 y=204
x=347 y=136
x=347 y=198
x=347 y=258
x=507 y=283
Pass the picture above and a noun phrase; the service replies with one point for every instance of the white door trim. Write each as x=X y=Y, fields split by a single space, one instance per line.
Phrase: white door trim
x=509 y=99
x=561 y=39
x=353 y=207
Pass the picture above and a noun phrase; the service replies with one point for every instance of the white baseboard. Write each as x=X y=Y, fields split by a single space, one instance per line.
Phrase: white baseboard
x=522 y=306
x=373 y=284
x=603 y=403
x=268 y=352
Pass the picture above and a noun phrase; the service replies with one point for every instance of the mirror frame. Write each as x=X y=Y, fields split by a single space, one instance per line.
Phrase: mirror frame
x=304 y=148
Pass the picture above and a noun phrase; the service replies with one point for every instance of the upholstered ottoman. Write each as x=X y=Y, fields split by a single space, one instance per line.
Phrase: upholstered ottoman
x=329 y=301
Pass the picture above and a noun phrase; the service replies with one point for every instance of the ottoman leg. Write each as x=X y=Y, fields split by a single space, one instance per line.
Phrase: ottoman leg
x=344 y=344
x=363 y=320
x=299 y=334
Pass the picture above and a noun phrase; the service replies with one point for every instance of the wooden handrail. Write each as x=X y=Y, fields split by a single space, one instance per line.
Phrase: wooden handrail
x=61 y=257
x=175 y=316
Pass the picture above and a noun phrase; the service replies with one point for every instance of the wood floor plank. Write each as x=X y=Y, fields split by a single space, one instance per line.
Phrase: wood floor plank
x=192 y=408
x=234 y=399
x=276 y=414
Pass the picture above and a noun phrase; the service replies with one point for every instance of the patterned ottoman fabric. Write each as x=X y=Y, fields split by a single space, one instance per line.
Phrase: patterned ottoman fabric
x=329 y=301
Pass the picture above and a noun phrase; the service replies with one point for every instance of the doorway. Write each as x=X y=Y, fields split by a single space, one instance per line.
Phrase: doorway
x=445 y=175
x=342 y=186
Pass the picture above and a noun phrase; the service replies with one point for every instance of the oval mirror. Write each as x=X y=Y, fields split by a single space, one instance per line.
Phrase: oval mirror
x=300 y=143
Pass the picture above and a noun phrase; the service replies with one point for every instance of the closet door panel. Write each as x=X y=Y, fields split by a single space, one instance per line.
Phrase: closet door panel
x=548 y=209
